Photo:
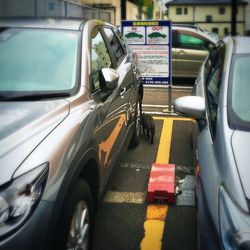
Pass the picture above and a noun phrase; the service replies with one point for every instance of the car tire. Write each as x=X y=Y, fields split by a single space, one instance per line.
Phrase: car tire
x=135 y=140
x=75 y=229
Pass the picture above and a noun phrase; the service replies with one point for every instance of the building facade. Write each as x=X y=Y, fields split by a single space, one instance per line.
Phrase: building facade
x=212 y=15
x=136 y=9
x=114 y=8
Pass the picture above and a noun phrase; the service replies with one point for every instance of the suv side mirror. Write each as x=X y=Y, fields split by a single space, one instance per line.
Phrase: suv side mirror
x=108 y=79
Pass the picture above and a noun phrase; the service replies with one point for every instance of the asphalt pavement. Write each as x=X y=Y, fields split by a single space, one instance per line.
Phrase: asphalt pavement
x=119 y=223
x=157 y=100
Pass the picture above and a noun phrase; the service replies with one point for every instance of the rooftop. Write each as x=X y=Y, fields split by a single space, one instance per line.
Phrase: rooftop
x=204 y=2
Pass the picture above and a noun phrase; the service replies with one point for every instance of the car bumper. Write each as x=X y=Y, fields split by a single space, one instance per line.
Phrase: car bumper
x=35 y=233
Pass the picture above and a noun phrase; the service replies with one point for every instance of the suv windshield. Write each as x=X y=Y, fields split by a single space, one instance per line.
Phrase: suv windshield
x=240 y=89
x=37 y=60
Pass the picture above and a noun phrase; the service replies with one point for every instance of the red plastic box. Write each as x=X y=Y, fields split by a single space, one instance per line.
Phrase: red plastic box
x=161 y=185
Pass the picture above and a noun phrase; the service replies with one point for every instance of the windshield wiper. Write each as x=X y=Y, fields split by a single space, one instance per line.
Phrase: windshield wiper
x=14 y=96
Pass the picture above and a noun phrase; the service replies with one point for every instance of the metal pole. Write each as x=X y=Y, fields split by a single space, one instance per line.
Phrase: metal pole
x=170 y=98
x=234 y=17
x=123 y=10
x=140 y=4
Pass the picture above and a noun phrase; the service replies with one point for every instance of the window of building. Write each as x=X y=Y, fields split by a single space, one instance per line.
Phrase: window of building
x=185 y=11
x=222 y=10
x=209 y=19
x=215 y=30
x=226 y=31
x=178 y=11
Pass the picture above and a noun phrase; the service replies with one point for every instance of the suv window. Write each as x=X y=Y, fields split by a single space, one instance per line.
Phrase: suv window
x=114 y=44
x=213 y=89
x=99 y=58
x=239 y=101
x=122 y=40
x=191 y=41
x=210 y=63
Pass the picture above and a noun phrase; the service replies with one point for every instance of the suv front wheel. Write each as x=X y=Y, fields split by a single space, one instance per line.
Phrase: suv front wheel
x=77 y=219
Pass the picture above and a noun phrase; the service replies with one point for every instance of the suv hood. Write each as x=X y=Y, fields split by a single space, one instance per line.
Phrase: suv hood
x=23 y=125
x=241 y=145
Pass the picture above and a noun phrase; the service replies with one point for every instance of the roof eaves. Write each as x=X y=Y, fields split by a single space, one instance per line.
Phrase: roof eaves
x=204 y=2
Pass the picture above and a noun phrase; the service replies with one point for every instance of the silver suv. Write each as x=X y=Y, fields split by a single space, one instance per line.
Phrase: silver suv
x=70 y=101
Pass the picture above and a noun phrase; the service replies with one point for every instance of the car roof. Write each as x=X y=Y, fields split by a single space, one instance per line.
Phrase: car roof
x=241 y=45
x=187 y=25
x=46 y=23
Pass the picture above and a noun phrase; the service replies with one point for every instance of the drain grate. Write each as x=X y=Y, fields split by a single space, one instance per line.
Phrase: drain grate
x=187 y=197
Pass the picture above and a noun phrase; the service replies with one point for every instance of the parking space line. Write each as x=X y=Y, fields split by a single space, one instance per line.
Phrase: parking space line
x=135 y=165
x=156 y=214
x=165 y=142
x=154 y=226
x=125 y=197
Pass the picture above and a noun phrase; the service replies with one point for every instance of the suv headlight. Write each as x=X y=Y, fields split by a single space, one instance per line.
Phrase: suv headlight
x=234 y=223
x=18 y=199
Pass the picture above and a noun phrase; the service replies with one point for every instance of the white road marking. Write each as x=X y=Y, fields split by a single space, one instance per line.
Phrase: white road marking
x=125 y=197
x=135 y=165
x=155 y=106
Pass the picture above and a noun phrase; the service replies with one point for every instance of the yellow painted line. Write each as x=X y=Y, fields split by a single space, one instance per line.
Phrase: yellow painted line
x=165 y=142
x=156 y=214
x=154 y=226
x=172 y=118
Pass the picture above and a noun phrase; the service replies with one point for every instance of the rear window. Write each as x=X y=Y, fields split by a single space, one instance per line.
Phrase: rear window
x=239 y=100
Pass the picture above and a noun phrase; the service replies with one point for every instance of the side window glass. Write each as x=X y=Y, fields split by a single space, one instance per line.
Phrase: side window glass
x=209 y=63
x=114 y=43
x=122 y=40
x=99 y=58
x=188 y=41
x=175 y=39
x=213 y=90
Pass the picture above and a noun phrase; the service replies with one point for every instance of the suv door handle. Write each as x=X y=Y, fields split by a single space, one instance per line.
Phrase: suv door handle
x=181 y=51
x=123 y=90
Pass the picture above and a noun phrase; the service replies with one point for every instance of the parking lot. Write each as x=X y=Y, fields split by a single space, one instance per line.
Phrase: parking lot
x=124 y=125
x=124 y=219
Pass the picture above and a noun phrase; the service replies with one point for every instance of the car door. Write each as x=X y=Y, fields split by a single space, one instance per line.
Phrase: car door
x=191 y=51
x=123 y=67
x=208 y=179
x=112 y=111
